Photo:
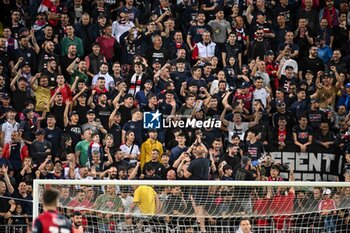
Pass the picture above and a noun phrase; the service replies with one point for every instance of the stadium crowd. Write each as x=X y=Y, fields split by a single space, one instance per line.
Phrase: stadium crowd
x=77 y=76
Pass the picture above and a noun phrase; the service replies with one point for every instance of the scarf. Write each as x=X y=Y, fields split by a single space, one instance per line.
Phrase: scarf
x=135 y=84
x=331 y=18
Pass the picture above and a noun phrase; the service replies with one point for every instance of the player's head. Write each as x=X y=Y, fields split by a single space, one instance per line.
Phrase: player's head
x=245 y=225
x=77 y=218
x=50 y=198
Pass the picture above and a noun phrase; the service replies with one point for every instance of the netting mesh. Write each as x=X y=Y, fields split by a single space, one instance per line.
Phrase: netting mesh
x=143 y=208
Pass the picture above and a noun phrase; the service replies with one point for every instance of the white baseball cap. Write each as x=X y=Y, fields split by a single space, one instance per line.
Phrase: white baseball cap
x=327 y=192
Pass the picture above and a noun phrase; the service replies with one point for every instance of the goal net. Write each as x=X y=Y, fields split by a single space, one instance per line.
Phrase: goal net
x=201 y=206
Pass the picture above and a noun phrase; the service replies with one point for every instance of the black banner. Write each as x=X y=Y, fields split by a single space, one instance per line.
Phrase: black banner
x=311 y=166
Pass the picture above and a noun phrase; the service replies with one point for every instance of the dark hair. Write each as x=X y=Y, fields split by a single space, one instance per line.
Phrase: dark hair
x=302 y=116
x=276 y=167
x=258 y=78
x=222 y=81
x=50 y=196
x=189 y=96
x=76 y=213
x=282 y=118
x=194 y=68
x=226 y=167
x=244 y=219
x=51 y=116
x=156 y=151
x=95 y=44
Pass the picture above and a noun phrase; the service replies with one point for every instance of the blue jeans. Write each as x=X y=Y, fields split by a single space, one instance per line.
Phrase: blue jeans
x=329 y=225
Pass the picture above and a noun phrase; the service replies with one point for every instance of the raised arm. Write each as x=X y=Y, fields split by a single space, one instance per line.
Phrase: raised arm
x=225 y=99
x=42 y=166
x=91 y=99
x=134 y=172
x=32 y=82
x=35 y=44
x=117 y=98
x=7 y=180
x=70 y=68
x=16 y=66
x=189 y=41
x=79 y=94
x=74 y=85
x=54 y=96
x=249 y=15
x=257 y=117
x=223 y=114
x=65 y=113
x=15 y=79
x=111 y=117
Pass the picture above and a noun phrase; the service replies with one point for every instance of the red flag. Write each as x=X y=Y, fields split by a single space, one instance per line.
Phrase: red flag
x=44 y=6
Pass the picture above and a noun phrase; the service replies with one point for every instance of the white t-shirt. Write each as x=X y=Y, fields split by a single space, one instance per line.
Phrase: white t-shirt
x=265 y=77
x=119 y=29
x=7 y=128
x=237 y=129
x=135 y=151
x=261 y=94
x=107 y=77
x=289 y=62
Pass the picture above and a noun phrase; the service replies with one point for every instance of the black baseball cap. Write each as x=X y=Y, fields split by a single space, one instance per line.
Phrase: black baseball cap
x=73 y=113
x=90 y=111
x=40 y=132
x=5 y=96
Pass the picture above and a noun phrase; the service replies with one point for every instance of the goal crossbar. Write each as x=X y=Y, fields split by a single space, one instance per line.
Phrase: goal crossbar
x=37 y=184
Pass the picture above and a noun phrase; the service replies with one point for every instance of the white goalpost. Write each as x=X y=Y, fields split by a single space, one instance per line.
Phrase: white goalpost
x=202 y=206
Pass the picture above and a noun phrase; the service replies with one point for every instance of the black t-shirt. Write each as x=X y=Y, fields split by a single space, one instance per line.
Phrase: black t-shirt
x=64 y=63
x=4 y=207
x=254 y=149
x=196 y=32
x=232 y=50
x=51 y=77
x=243 y=174
x=258 y=49
x=152 y=54
x=179 y=78
x=159 y=168
x=315 y=118
x=302 y=134
x=28 y=129
x=58 y=112
x=54 y=136
x=125 y=114
x=136 y=127
x=18 y=99
x=314 y=65
x=286 y=82
x=25 y=202
x=165 y=108
x=103 y=114
x=116 y=131
x=81 y=110
x=199 y=169
x=74 y=131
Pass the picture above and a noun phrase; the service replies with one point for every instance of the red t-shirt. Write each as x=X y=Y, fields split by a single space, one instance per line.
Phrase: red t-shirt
x=282 y=135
